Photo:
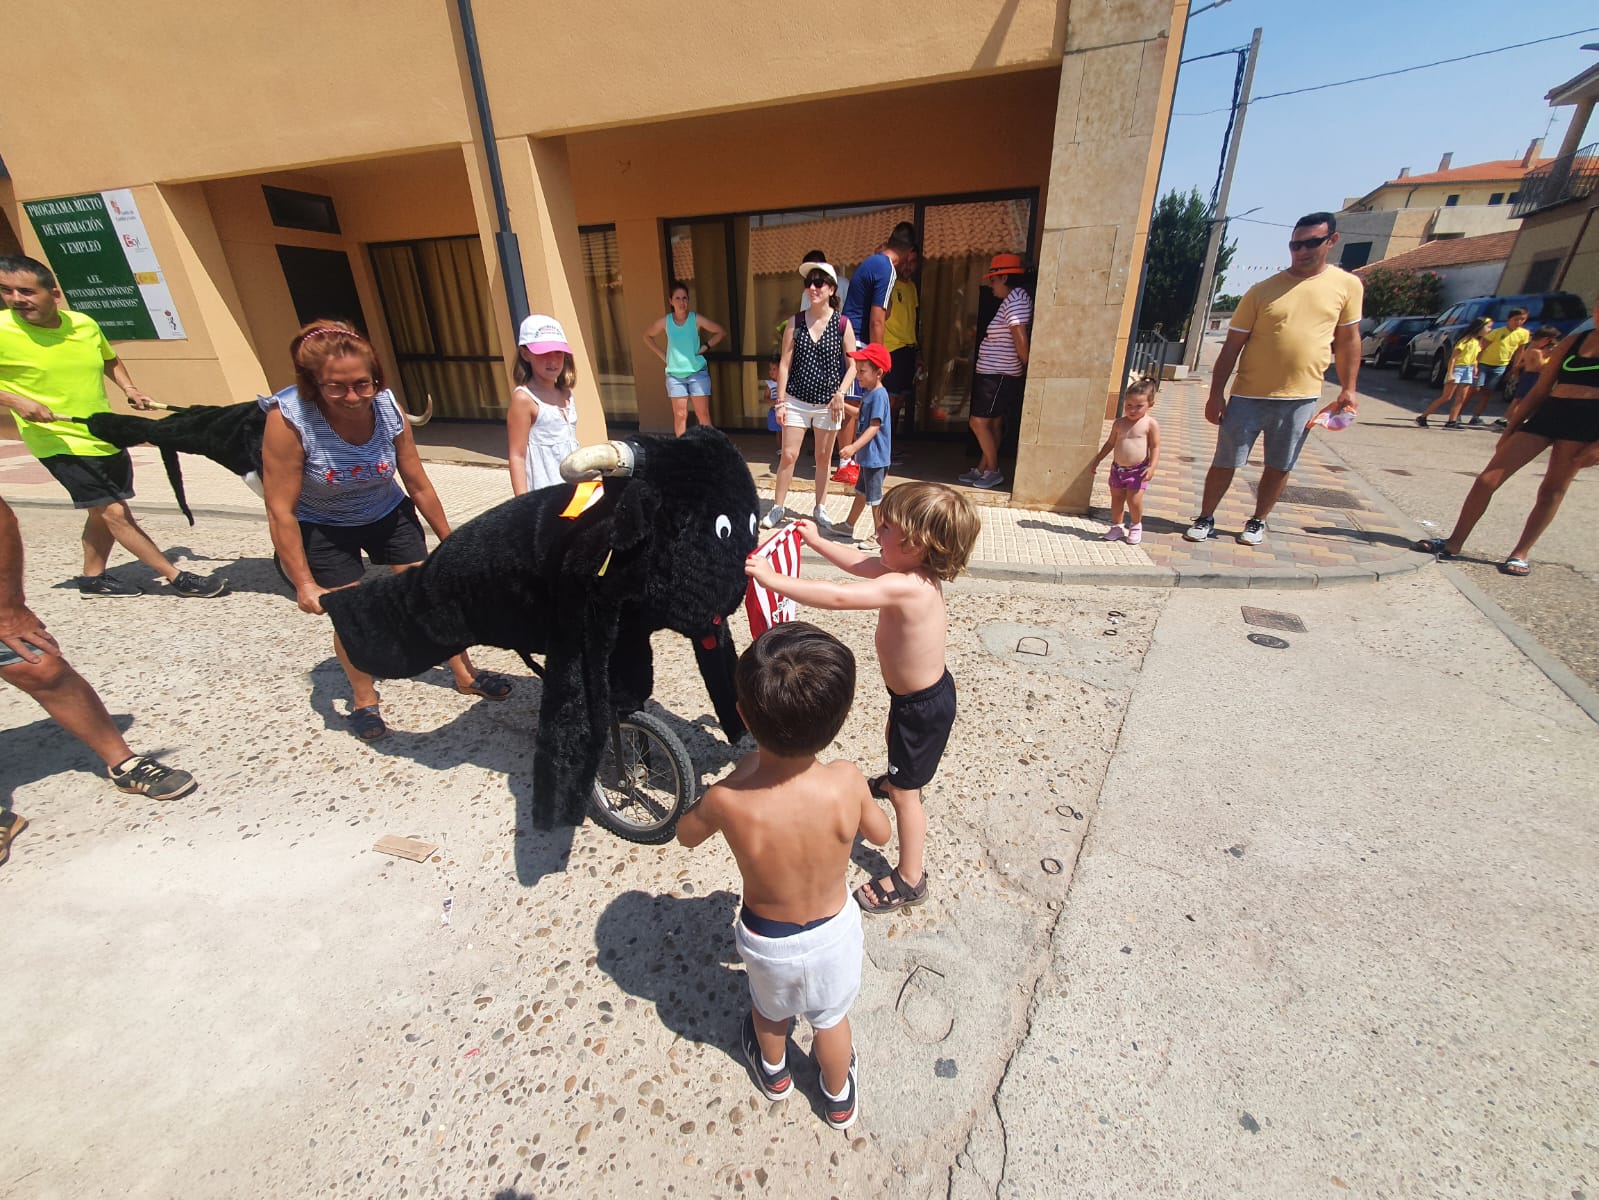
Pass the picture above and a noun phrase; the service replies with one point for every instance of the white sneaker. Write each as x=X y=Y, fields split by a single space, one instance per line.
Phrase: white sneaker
x=1135 y=534
x=823 y=524
x=774 y=517
x=1116 y=532
x=1202 y=528
x=1253 y=532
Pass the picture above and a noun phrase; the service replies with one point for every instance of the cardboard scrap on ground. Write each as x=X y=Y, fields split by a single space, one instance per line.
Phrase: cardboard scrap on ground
x=404 y=847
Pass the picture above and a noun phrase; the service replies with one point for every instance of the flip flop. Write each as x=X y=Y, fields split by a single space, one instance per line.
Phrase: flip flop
x=11 y=824
x=875 y=901
x=367 y=723
x=1437 y=547
x=488 y=685
x=1519 y=567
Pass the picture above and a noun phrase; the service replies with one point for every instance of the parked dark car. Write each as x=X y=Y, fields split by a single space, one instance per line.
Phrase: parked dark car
x=1385 y=345
x=1430 y=349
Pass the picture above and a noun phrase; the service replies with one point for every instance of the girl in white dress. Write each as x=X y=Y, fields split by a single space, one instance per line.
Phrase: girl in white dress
x=541 y=424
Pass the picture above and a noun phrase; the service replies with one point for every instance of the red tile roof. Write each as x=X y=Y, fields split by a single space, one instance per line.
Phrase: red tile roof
x=1500 y=170
x=1448 y=252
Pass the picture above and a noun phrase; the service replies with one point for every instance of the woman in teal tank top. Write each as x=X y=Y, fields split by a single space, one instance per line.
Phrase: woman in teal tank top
x=687 y=377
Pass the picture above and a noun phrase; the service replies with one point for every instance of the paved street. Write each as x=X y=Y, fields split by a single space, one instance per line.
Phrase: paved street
x=1292 y=945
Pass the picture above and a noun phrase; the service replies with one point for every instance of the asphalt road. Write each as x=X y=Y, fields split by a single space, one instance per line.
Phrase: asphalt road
x=1425 y=473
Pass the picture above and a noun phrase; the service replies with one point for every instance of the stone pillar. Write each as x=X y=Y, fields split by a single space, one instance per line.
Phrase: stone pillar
x=1117 y=77
x=644 y=279
x=1578 y=129
x=538 y=192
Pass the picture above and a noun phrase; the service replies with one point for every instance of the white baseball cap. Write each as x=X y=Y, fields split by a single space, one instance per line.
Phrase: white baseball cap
x=805 y=270
x=542 y=334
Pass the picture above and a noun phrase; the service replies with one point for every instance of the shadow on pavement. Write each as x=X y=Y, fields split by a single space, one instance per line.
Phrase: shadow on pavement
x=36 y=751
x=678 y=954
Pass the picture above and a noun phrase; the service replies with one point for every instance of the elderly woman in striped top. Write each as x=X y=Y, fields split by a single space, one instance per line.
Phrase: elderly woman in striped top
x=1001 y=366
x=336 y=451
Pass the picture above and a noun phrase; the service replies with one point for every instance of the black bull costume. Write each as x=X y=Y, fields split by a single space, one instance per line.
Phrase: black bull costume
x=663 y=547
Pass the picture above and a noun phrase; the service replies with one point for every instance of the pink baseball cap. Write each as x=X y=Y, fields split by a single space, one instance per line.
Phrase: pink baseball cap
x=542 y=334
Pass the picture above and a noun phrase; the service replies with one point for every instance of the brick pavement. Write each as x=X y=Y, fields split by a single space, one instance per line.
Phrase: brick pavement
x=1345 y=534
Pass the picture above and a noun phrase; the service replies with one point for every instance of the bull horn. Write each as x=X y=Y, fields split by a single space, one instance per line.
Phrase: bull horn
x=427 y=414
x=607 y=458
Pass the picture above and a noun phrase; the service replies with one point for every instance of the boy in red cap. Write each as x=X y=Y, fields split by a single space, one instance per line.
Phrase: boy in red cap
x=870 y=449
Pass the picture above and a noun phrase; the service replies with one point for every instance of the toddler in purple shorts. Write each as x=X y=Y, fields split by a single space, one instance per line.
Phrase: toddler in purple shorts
x=1134 y=447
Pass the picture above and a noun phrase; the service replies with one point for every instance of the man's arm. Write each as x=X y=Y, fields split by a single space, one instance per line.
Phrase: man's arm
x=119 y=375
x=1226 y=360
x=18 y=626
x=1346 y=362
x=876 y=319
x=24 y=407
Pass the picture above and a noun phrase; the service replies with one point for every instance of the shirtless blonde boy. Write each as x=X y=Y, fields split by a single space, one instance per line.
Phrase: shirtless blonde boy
x=791 y=824
x=925 y=532
x=1134 y=447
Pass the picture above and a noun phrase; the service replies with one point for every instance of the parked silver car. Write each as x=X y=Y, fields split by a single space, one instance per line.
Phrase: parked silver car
x=1385 y=345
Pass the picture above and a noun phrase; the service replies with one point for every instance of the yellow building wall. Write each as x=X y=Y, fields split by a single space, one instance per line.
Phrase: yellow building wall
x=1582 y=272
x=1543 y=236
x=1433 y=195
x=647 y=60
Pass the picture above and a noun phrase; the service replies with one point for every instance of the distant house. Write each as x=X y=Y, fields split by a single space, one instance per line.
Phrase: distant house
x=1467 y=266
x=1451 y=202
x=1557 y=246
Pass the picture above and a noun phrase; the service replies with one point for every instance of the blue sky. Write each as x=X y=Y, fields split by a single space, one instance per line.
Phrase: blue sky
x=1302 y=153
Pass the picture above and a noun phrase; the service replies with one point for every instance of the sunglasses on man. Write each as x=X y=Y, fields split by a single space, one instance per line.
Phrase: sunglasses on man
x=1308 y=243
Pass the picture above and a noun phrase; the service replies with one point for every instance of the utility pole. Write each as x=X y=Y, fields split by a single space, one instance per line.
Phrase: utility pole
x=1218 y=221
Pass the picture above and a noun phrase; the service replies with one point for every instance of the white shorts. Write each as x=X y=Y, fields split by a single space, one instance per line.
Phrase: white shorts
x=815 y=974
x=799 y=415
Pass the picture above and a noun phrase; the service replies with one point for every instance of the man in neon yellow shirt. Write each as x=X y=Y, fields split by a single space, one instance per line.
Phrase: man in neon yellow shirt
x=51 y=367
x=1499 y=347
x=1282 y=329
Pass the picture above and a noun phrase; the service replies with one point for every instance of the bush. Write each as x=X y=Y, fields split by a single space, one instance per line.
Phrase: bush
x=1402 y=293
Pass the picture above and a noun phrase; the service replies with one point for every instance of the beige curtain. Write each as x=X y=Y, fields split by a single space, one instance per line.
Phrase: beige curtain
x=613 y=358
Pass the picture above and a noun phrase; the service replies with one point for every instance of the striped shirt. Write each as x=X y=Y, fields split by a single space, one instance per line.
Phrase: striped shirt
x=997 y=354
x=343 y=484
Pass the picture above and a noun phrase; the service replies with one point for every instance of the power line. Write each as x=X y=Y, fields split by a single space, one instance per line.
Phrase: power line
x=1401 y=71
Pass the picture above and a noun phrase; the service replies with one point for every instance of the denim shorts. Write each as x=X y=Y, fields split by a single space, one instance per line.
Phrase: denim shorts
x=1489 y=377
x=870 y=484
x=1466 y=375
x=10 y=658
x=682 y=387
x=1282 y=421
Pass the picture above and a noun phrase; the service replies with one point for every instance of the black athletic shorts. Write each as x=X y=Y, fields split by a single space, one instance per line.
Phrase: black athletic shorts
x=997 y=395
x=92 y=480
x=901 y=377
x=333 y=552
x=918 y=731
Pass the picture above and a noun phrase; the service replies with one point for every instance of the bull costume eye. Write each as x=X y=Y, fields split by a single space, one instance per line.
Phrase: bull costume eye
x=724 y=527
x=752 y=524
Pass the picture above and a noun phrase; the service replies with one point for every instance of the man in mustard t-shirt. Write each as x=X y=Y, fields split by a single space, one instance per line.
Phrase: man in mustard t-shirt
x=1283 y=328
x=1499 y=347
x=52 y=364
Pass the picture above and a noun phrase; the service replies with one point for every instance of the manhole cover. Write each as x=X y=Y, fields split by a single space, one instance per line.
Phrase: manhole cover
x=1319 y=497
x=1268 y=619
x=1268 y=641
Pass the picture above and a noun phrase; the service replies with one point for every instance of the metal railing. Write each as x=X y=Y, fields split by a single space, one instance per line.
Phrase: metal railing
x=1151 y=350
x=1569 y=177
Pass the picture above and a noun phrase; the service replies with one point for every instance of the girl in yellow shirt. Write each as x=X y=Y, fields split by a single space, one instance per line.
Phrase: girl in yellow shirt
x=1462 y=370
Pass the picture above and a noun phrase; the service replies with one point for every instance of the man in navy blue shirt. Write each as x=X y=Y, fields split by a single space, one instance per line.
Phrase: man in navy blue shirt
x=866 y=304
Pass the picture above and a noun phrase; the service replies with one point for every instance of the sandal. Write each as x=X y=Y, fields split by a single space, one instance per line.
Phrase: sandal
x=367 y=723
x=11 y=824
x=878 y=784
x=1437 y=547
x=1519 y=567
x=875 y=900
x=488 y=685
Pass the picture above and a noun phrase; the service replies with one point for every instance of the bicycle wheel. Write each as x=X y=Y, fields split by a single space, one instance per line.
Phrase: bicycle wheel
x=641 y=796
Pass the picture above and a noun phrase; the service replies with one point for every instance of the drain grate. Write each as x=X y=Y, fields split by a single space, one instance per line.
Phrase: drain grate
x=1318 y=497
x=1268 y=618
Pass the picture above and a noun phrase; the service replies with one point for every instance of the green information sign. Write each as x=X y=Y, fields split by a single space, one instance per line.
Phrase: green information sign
x=99 y=249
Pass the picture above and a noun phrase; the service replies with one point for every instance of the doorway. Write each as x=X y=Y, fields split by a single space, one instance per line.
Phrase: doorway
x=321 y=285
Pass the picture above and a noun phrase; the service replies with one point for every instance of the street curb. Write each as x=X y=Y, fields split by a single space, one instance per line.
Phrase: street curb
x=1155 y=576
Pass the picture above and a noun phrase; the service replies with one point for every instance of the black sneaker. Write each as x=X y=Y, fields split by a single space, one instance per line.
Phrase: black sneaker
x=1422 y=421
x=1202 y=528
x=777 y=1085
x=107 y=587
x=841 y=1113
x=187 y=584
x=146 y=777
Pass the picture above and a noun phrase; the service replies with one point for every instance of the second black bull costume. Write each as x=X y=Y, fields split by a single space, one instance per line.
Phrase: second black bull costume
x=660 y=545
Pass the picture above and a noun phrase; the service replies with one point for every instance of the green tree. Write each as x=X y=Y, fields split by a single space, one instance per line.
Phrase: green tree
x=1176 y=255
x=1225 y=303
x=1392 y=293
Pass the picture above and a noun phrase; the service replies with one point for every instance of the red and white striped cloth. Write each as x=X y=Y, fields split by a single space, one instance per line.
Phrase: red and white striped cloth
x=764 y=606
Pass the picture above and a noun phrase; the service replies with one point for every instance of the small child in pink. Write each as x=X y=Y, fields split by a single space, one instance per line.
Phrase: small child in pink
x=1134 y=446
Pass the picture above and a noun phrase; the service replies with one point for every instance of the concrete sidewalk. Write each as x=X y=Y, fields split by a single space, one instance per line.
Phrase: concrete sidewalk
x=1329 y=529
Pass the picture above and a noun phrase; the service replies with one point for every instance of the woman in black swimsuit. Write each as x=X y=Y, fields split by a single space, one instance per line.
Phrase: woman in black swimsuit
x=1561 y=412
